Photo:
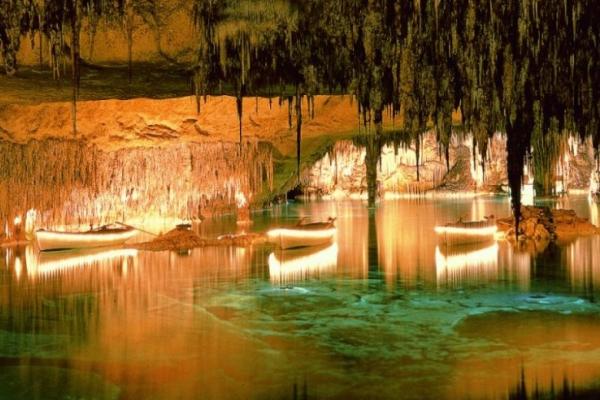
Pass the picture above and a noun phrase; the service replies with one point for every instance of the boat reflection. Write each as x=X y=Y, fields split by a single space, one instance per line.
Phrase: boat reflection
x=594 y=211
x=41 y=264
x=475 y=263
x=583 y=264
x=287 y=266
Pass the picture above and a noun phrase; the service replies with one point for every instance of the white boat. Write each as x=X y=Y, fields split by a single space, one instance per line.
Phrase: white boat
x=104 y=236
x=463 y=232
x=303 y=235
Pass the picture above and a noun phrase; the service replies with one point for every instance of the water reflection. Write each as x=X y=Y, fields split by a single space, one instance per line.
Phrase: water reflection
x=534 y=350
x=385 y=307
x=40 y=264
x=288 y=266
x=583 y=264
x=455 y=264
x=516 y=266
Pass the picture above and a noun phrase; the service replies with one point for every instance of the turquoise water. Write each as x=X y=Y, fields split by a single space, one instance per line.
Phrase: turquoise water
x=384 y=312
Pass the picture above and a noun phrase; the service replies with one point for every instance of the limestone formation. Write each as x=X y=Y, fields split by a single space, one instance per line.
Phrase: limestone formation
x=71 y=183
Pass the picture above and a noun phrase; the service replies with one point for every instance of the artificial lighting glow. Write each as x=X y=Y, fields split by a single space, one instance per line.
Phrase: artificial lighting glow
x=18 y=266
x=240 y=200
x=453 y=266
x=296 y=265
x=527 y=194
x=72 y=240
x=460 y=260
x=455 y=230
x=30 y=220
x=49 y=263
x=17 y=220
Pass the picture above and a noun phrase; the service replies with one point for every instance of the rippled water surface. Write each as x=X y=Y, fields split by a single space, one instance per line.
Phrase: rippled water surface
x=383 y=313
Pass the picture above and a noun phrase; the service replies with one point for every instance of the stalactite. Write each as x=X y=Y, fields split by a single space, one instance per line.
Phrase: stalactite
x=197 y=93
x=40 y=49
x=418 y=154
x=372 y=154
x=75 y=32
x=239 y=99
x=298 y=129
x=290 y=104
x=86 y=185
x=423 y=59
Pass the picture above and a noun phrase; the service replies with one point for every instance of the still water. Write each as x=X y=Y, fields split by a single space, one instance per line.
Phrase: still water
x=382 y=313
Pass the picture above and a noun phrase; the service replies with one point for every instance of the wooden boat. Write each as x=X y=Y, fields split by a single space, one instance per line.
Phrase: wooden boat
x=463 y=232
x=303 y=235
x=103 y=236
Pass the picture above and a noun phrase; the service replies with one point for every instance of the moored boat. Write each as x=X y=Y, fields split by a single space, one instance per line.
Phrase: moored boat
x=303 y=235
x=103 y=236
x=463 y=232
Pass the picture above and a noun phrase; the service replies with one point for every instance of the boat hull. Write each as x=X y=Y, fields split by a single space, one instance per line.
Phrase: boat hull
x=290 y=238
x=49 y=240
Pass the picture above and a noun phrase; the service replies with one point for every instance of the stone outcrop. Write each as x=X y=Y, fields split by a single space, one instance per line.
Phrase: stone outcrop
x=182 y=239
x=541 y=225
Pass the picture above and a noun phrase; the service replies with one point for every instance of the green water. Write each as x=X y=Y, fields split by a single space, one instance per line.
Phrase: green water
x=384 y=312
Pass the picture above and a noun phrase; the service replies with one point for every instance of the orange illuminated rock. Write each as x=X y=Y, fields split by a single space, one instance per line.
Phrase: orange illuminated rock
x=182 y=239
x=542 y=225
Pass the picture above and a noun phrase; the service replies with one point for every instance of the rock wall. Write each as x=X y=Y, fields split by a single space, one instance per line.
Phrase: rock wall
x=72 y=183
x=595 y=184
x=579 y=164
x=342 y=171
